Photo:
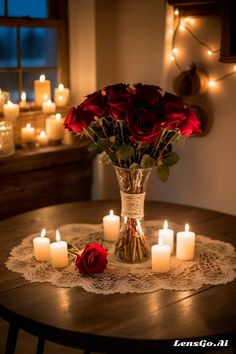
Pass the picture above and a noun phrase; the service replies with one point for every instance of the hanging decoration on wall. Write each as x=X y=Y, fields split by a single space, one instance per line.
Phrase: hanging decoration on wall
x=192 y=81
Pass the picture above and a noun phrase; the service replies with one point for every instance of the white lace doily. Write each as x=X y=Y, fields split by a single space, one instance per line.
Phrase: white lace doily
x=214 y=263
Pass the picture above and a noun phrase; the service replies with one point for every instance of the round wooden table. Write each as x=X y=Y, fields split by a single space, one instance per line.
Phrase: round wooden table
x=119 y=323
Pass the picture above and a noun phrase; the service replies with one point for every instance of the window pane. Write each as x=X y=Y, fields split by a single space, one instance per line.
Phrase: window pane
x=38 y=47
x=9 y=82
x=28 y=82
x=26 y=8
x=2 y=8
x=8 y=47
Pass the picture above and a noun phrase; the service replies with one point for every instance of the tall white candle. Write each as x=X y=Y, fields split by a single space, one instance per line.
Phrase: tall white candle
x=49 y=106
x=42 y=87
x=42 y=247
x=185 y=244
x=111 y=227
x=54 y=127
x=160 y=257
x=167 y=236
x=58 y=252
x=61 y=95
x=11 y=110
x=28 y=134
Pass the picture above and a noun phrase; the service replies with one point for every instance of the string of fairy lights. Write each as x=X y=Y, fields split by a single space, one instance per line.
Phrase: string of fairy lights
x=183 y=24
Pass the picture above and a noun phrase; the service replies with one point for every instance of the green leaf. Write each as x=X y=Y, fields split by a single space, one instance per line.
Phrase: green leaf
x=147 y=161
x=103 y=144
x=171 y=159
x=163 y=172
x=94 y=149
x=125 y=152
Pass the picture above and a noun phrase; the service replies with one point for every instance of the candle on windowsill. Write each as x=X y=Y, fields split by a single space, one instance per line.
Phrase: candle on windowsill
x=111 y=227
x=160 y=257
x=167 y=236
x=55 y=128
x=59 y=252
x=23 y=104
x=27 y=135
x=42 y=138
x=185 y=244
x=42 y=247
x=42 y=87
x=11 y=110
x=49 y=107
x=61 y=95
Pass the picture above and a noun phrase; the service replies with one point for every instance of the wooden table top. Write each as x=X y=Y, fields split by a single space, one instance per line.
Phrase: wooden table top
x=138 y=323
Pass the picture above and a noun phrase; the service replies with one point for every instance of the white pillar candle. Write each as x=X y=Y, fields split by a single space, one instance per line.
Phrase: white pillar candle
x=111 y=227
x=42 y=87
x=49 y=107
x=58 y=252
x=160 y=257
x=42 y=247
x=54 y=127
x=11 y=110
x=42 y=138
x=23 y=103
x=185 y=244
x=167 y=236
x=28 y=134
x=61 y=95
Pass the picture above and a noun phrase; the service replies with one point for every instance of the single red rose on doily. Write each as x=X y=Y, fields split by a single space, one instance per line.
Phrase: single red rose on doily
x=93 y=259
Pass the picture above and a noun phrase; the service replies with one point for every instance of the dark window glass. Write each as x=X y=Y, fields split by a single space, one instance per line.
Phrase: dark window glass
x=38 y=47
x=26 y=8
x=8 y=47
x=28 y=82
x=9 y=82
x=2 y=10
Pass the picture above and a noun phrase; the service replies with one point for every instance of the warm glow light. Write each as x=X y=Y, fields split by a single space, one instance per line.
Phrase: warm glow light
x=23 y=96
x=58 y=236
x=181 y=27
x=45 y=97
x=9 y=103
x=211 y=83
x=42 y=134
x=235 y=67
x=61 y=87
x=58 y=116
x=28 y=125
x=160 y=241
x=171 y=31
x=175 y=50
x=186 y=227
x=188 y=20
x=209 y=52
x=43 y=233
x=165 y=225
x=42 y=78
x=60 y=98
x=172 y=57
x=176 y=12
x=111 y=212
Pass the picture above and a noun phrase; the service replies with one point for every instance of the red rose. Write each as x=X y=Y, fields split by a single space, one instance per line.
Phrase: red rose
x=174 y=111
x=147 y=95
x=120 y=98
x=96 y=103
x=93 y=259
x=113 y=91
x=144 y=126
x=191 y=126
x=78 y=119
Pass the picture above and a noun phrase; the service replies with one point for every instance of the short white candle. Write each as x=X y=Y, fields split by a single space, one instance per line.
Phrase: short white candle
x=111 y=227
x=54 y=127
x=42 y=138
x=49 y=107
x=28 y=134
x=160 y=257
x=23 y=103
x=42 y=87
x=58 y=252
x=42 y=247
x=167 y=236
x=11 y=110
x=61 y=95
x=185 y=244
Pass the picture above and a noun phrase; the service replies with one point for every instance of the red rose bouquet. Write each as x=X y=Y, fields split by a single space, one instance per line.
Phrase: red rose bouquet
x=134 y=127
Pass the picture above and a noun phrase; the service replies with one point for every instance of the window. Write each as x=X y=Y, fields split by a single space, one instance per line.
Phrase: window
x=33 y=41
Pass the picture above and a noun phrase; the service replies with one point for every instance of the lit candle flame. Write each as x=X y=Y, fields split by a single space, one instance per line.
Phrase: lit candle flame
x=45 y=97
x=48 y=102
x=58 y=116
x=23 y=96
x=165 y=224
x=42 y=78
x=111 y=212
x=9 y=103
x=43 y=233
x=60 y=98
x=58 y=236
x=42 y=134
x=186 y=227
x=209 y=52
x=61 y=87
x=176 y=12
x=160 y=241
x=28 y=125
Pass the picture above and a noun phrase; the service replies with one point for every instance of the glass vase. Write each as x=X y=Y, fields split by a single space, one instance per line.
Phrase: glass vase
x=132 y=245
